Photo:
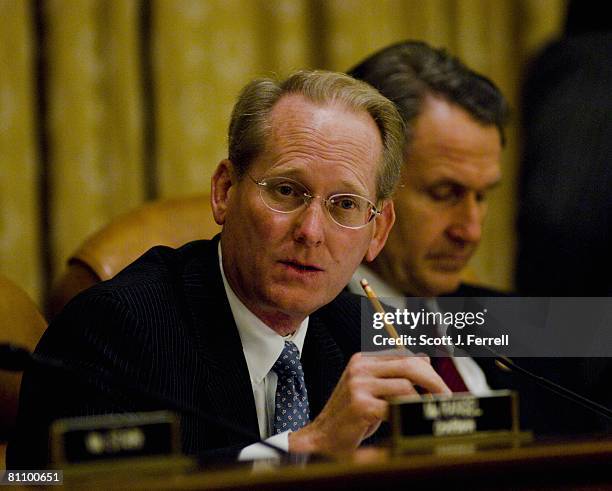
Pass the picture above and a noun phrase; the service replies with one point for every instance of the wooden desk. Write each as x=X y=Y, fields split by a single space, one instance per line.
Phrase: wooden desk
x=542 y=466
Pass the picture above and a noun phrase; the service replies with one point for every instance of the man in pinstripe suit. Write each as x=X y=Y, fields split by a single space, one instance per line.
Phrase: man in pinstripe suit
x=303 y=197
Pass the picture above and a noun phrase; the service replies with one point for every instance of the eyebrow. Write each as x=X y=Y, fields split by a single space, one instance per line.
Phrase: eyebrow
x=454 y=182
x=352 y=188
x=494 y=184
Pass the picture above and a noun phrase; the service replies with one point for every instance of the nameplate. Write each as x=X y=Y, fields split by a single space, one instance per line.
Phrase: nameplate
x=114 y=436
x=422 y=421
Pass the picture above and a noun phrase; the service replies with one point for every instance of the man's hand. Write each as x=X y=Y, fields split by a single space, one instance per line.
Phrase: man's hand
x=358 y=404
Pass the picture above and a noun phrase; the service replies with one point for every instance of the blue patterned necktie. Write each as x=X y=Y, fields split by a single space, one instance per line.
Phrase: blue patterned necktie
x=291 y=405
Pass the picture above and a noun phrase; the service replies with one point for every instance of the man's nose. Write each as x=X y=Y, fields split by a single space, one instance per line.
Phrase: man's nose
x=467 y=220
x=310 y=224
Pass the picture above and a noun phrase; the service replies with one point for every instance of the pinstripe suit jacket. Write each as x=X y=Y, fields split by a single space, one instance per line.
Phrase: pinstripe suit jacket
x=165 y=325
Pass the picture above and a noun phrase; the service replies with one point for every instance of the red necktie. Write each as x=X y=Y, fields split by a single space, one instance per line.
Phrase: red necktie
x=445 y=367
x=447 y=370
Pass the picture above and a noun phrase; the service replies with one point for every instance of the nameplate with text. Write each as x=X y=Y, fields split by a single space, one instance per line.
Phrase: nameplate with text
x=429 y=420
x=114 y=436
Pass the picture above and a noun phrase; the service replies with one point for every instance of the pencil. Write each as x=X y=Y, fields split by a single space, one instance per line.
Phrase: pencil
x=390 y=328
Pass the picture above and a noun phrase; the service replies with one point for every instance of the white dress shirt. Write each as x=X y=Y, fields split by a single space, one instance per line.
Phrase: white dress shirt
x=261 y=346
x=469 y=370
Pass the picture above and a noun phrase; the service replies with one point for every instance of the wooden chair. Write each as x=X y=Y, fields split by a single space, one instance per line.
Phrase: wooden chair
x=23 y=325
x=164 y=222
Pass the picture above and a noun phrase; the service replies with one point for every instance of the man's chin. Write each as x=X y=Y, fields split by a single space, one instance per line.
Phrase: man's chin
x=446 y=287
x=436 y=283
x=297 y=303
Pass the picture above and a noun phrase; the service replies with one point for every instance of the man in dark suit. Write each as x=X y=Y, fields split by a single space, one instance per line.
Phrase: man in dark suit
x=220 y=326
x=455 y=121
x=565 y=206
x=454 y=127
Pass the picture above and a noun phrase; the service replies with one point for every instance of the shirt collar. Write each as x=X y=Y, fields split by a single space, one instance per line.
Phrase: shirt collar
x=261 y=345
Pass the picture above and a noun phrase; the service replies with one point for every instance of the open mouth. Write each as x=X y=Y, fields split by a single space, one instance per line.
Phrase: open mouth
x=305 y=268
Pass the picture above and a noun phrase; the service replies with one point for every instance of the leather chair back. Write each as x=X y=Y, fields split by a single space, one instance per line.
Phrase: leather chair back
x=21 y=323
x=171 y=222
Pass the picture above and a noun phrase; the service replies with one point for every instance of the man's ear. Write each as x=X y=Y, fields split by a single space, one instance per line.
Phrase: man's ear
x=382 y=227
x=220 y=186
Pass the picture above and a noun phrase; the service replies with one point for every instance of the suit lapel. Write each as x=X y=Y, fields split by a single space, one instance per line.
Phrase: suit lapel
x=228 y=391
x=334 y=335
x=323 y=363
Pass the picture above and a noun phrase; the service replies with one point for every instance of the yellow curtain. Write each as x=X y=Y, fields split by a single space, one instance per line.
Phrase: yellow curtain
x=93 y=119
x=20 y=223
x=105 y=103
x=204 y=52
